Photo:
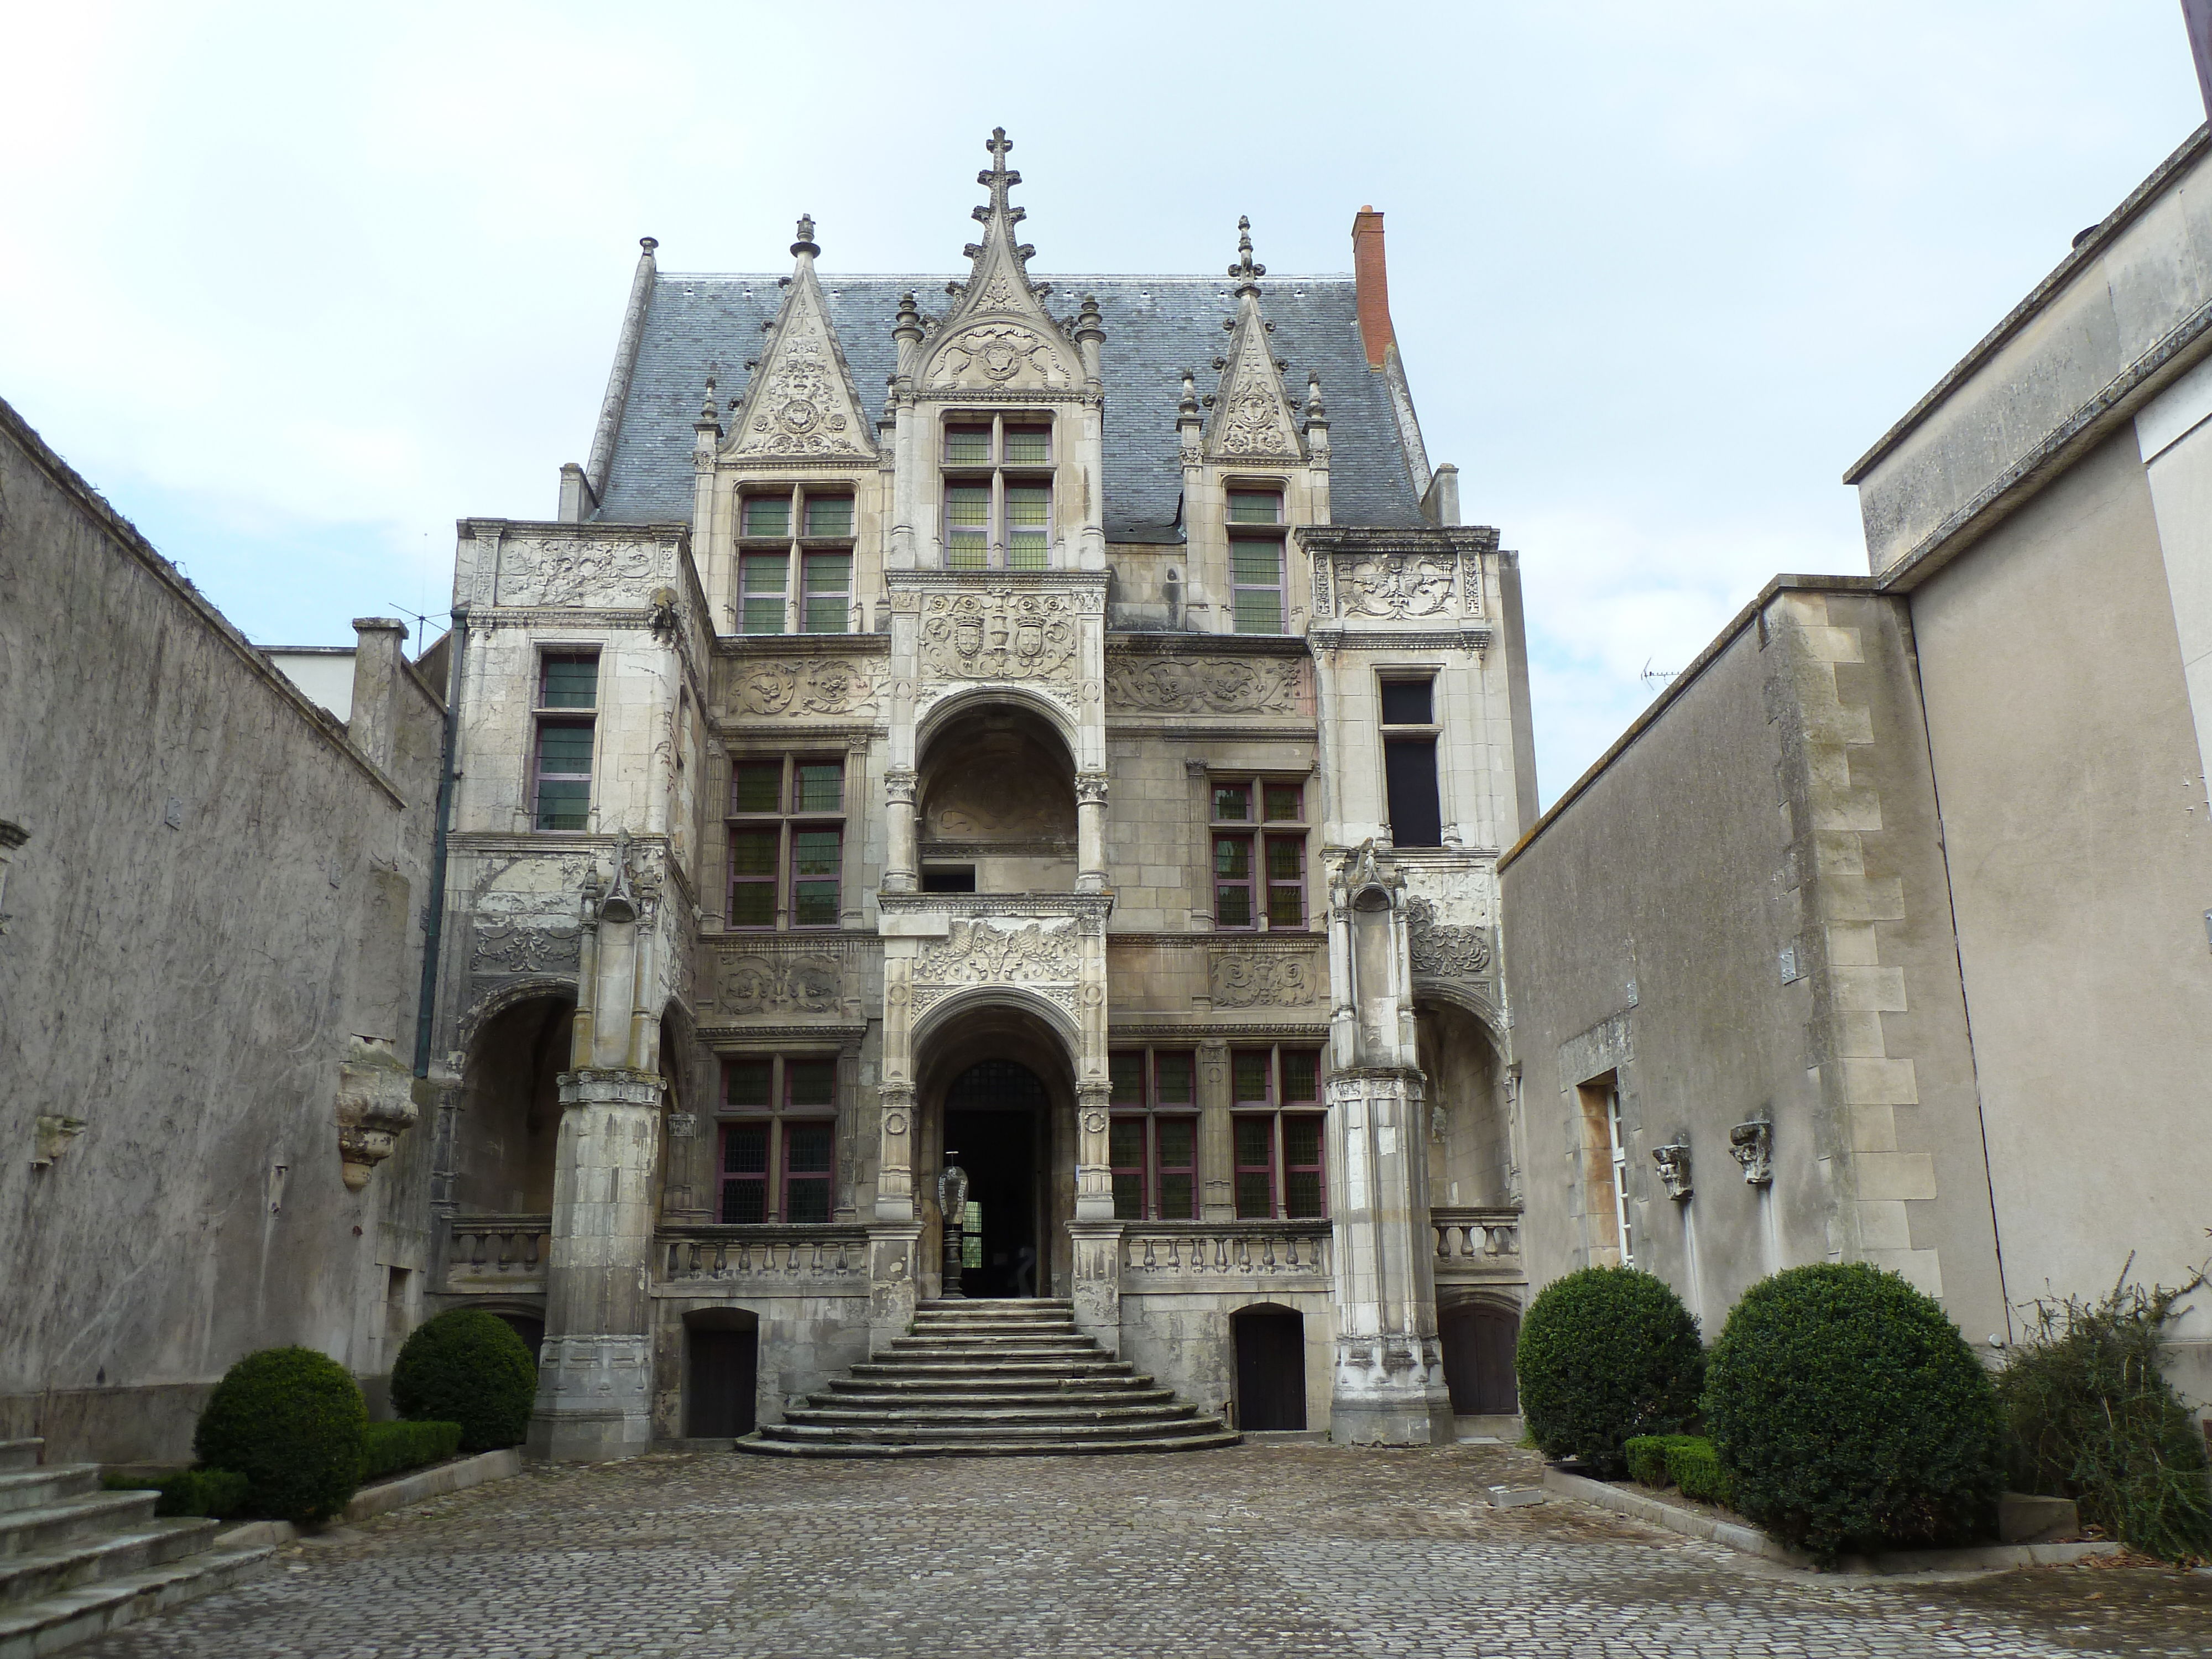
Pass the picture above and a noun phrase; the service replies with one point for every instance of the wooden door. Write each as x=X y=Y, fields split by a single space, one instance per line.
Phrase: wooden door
x=1478 y=1344
x=719 y=1393
x=1270 y=1368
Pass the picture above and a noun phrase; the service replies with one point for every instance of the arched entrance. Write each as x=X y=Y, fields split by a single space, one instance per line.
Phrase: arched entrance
x=1271 y=1367
x=1477 y=1339
x=996 y=1128
x=510 y=1118
x=721 y=1372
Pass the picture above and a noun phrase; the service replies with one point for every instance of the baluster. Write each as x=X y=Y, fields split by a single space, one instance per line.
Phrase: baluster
x=478 y=1239
x=841 y=1266
x=814 y=1266
x=1175 y=1254
x=1268 y=1254
x=538 y=1243
x=672 y=1249
x=1220 y=1253
x=1151 y=1261
x=791 y=1262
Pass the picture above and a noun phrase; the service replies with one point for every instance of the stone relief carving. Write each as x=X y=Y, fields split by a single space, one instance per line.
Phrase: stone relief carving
x=998 y=635
x=1397 y=585
x=1752 y=1145
x=1674 y=1163
x=510 y=948
x=1256 y=417
x=577 y=573
x=1252 y=982
x=756 y=984
x=1003 y=355
x=977 y=953
x=1447 y=952
x=801 y=404
x=1234 y=685
x=824 y=685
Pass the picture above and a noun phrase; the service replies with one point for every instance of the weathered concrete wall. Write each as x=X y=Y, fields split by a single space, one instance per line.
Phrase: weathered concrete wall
x=1742 y=915
x=2080 y=857
x=217 y=889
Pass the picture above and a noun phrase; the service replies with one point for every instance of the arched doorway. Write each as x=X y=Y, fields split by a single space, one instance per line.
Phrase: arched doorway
x=721 y=1372
x=1477 y=1339
x=509 y=1121
x=996 y=1128
x=1271 y=1367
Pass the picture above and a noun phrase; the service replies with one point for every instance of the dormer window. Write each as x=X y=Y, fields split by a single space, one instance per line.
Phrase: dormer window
x=1256 y=559
x=816 y=564
x=998 y=494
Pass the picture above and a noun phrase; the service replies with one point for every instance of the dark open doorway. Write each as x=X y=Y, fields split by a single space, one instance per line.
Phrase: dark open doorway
x=1478 y=1342
x=721 y=1372
x=995 y=1116
x=1271 y=1367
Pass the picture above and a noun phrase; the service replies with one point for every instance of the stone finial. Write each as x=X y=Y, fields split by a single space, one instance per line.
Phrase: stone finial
x=649 y=243
x=909 y=319
x=708 y=410
x=1752 y=1145
x=1314 y=410
x=1674 y=1163
x=806 y=244
x=1244 y=267
x=375 y=1107
x=1088 y=323
x=1189 y=403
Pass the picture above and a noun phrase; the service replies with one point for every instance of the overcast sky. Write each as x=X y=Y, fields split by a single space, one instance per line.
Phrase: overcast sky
x=296 y=287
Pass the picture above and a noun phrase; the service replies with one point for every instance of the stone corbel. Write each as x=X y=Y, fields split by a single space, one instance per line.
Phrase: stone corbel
x=1674 y=1163
x=54 y=1135
x=375 y=1107
x=1752 y=1145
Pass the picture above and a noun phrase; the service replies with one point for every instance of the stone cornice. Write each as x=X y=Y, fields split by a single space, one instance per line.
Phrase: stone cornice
x=1412 y=538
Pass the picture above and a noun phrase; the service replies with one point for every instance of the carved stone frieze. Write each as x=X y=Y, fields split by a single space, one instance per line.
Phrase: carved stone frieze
x=1445 y=953
x=829 y=687
x=998 y=633
x=513 y=948
x=1001 y=355
x=979 y=953
x=1433 y=576
x=780 y=986
x=1217 y=685
x=1242 y=980
x=578 y=572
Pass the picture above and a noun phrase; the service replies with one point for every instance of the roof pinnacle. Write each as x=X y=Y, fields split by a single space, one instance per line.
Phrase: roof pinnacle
x=806 y=243
x=1244 y=267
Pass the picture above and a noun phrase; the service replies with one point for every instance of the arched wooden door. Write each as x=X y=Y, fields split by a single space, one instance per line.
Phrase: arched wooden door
x=721 y=1373
x=1478 y=1340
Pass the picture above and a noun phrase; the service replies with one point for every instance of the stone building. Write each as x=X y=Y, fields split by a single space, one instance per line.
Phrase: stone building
x=1058 y=731
x=1882 y=935
x=210 y=976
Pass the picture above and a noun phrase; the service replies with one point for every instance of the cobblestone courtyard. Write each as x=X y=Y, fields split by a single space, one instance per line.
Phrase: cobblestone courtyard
x=1261 y=1550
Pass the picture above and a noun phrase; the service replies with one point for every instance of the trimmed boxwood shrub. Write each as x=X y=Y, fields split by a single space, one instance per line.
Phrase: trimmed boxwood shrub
x=1606 y=1354
x=467 y=1366
x=1850 y=1414
x=215 y=1493
x=1694 y=1466
x=290 y=1420
x=1646 y=1456
x=390 y=1448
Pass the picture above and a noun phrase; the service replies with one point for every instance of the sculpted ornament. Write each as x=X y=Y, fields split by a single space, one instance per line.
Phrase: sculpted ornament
x=976 y=953
x=826 y=686
x=1397 y=585
x=1445 y=953
x=998 y=635
x=768 y=985
x=1256 y=685
x=1252 y=982
x=607 y=573
x=1001 y=355
x=509 y=948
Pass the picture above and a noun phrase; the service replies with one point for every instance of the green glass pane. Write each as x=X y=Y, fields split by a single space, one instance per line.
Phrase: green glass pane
x=565 y=748
x=1124 y=1143
x=762 y=616
x=569 y=683
x=1256 y=564
x=971 y=1250
x=968 y=444
x=829 y=516
x=1028 y=506
x=1232 y=906
x=1177 y=1136
x=1029 y=550
x=753 y=852
x=1177 y=1194
x=1126 y=1076
x=1232 y=803
x=806 y=1200
x=807 y=1147
x=1171 y=1078
x=812 y=1082
x=829 y=573
x=1301 y=1142
x=1029 y=443
x=1301 y=1075
x=1302 y=1193
x=814 y=852
x=564 y=806
x=1256 y=1197
x=967 y=507
x=744 y=1201
x=1285 y=803
x=971 y=1216
x=767 y=515
x=749 y=1082
x=967 y=552
x=814 y=904
x=821 y=786
x=1232 y=856
x=1259 y=611
x=764 y=575
x=1128 y=1198
x=753 y=904
x=1255 y=507
x=1255 y=1142
x=757 y=785
x=745 y=1149
x=825 y=615
x=1250 y=1071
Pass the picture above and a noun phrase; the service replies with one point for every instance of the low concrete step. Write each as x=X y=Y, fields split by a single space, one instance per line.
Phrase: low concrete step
x=33 y=1630
x=760 y=1447
x=24 y=1531
x=99 y=1556
x=20 y=1454
x=43 y=1488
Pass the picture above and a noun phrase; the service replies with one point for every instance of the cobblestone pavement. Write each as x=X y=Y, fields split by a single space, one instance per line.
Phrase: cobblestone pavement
x=1259 y=1551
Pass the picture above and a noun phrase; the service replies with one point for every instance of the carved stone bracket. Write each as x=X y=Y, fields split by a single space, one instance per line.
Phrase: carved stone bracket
x=375 y=1106
x=1673 y=1162
x=1752 y=1145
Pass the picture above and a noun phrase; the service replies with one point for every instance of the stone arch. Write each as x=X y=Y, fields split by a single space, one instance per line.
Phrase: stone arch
x=995 y=796
x=507 y=1110
x=1469 y=1132
x=954 y=705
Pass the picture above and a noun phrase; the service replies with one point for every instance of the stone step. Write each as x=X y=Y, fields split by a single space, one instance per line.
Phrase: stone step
x=926 y=1416
x=843 y=1394
x=955 y=1434
x=760 y=1447
x=43 y=1488
x=998 y=1304
x=983 y=1371
x=20 y=1454
x=24 y=1531
x=52 y=1623
x=969 y=1347
x=99 y=1556
x=938 y=1337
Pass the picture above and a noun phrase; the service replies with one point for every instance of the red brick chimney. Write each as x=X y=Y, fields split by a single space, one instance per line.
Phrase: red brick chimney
x=1372 y=275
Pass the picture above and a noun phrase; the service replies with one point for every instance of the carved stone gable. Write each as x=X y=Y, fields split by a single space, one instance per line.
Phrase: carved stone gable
x=998 y=633
x=801 y=405
x=997 y=335
x=1253 y=420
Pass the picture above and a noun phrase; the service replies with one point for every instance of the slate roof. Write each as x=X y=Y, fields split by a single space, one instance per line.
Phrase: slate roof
x=1155 y=327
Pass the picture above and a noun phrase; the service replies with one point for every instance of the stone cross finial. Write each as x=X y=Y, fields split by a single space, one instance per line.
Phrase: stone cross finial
x=999 y=179
x=806 y=243
x=1244 y=267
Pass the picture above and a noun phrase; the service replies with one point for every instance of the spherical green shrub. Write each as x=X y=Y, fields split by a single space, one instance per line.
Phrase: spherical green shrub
x=291 y=1421
x=469 y=1367
x=1606 y=1354
x=1849 y=1412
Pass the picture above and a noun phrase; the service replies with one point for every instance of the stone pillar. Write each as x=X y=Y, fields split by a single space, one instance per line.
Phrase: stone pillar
x=895 y=1153
x=379 y=647
x=901 y=852
x=1090 y=832
x=1094 y=1170
x=1098 y=1252
x=1217 y=1132
x=894 y=1261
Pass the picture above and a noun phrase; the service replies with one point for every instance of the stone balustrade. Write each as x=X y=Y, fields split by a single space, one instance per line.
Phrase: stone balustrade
x=787 y=1254
x=1477 y=1243
x=491 y=1254
x=1163 y=1257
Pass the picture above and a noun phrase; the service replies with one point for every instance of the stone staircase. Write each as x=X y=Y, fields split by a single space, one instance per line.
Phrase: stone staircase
x=76 y=1561
x=996 y=1378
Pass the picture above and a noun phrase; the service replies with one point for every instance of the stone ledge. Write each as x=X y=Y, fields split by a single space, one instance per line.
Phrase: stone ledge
x=1737 y=1535
x=386 y=1496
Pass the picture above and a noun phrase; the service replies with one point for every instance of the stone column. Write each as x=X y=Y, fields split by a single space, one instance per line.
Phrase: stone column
x=1217 y=1132
x=1090 y=832
x=1094 y=1170
x=901 y=852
